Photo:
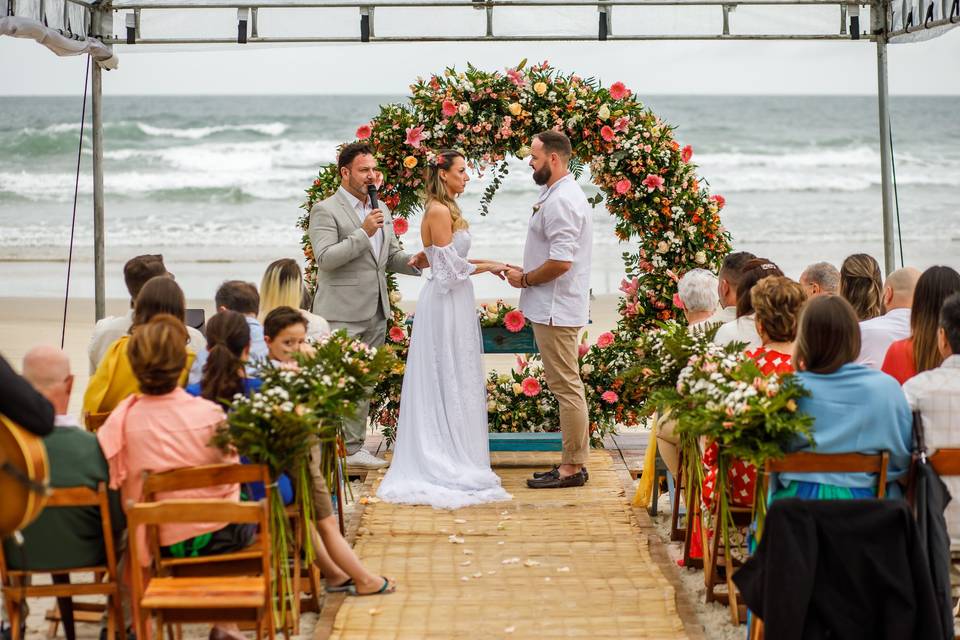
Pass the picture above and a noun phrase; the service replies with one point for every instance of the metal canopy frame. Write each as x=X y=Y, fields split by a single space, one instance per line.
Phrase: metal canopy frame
x=891 y=21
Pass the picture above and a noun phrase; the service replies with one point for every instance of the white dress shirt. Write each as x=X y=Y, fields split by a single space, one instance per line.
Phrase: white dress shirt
x=363 y=209
x=559 y=229
x=743 y=329
x=877 y=334
x=723 y=315
x=109 y=329
x=936 y=395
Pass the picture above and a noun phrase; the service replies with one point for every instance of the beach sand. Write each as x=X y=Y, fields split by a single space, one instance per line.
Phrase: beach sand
x=28 y=322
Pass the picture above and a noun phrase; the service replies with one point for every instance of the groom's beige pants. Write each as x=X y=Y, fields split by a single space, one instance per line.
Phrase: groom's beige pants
x=559 y=350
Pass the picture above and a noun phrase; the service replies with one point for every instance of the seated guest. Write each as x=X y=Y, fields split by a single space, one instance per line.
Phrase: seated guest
x=855 y=408
x=697 y=291
x=285 y=330
x=136 y=272
x=114 y=378
x=936 y=395
x=66 y=537
x=728 y=283
x=282 y=286
x=908 y=357
x=744 y=329
x=877 y=334
x=242 y=297
x=861 y=283
x=162 y=428
x=821 y=278
x=224 y=376
x=777 y=302
x=21 y=403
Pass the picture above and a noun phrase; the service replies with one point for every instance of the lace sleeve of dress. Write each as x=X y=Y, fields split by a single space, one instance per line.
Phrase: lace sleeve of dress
x=447 y=268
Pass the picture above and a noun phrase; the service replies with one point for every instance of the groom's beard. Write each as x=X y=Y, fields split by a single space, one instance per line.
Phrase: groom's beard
x=542 y=175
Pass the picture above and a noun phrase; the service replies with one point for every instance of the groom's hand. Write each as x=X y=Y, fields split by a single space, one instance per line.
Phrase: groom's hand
x=514 y=276
x=419 y=261
x=373 y=222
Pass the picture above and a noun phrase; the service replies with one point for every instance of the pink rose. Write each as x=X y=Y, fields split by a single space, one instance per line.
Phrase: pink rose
x=677 y=302
x=397 y=334
x=515 y=77
x=514 y=321
x=400 y=226
x=686 y=153
x=607 y=133
x=609 y=397
x=720 y=200
x=619 y=91
x=652 y=182
x=582 y=349
x=414 y=136
x=449 y=108
x=605 y=339
x=364 y=131
x=623 y=186
x=530 y=386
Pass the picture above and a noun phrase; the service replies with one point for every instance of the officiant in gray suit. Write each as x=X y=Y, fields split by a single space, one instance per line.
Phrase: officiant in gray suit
x=355 y=247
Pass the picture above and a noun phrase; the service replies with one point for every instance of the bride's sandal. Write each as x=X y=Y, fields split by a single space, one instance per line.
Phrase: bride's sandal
x=387 y=588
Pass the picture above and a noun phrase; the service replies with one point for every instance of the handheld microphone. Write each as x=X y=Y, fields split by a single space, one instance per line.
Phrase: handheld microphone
x=372 y=192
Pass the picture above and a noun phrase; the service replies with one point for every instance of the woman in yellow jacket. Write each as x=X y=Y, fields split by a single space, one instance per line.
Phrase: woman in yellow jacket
x=114 y=380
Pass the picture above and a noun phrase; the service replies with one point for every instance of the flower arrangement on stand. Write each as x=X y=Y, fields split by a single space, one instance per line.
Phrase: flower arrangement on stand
x=646 y=178
x=296 y=407
x=519 y=401
x=499 y=314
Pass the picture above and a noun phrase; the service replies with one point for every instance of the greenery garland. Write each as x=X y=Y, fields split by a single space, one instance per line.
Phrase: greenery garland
x=646 y=179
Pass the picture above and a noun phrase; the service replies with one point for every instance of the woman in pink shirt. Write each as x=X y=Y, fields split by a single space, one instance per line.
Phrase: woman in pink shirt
x=164 y=428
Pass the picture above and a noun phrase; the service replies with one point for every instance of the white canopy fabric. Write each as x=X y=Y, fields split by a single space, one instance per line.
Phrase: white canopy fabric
x=57 y=41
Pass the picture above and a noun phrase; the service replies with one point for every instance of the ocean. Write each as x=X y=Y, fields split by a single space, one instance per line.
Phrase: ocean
x=214 y=183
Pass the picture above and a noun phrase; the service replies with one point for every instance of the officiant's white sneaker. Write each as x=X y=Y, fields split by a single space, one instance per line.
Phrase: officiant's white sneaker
x=363 y=459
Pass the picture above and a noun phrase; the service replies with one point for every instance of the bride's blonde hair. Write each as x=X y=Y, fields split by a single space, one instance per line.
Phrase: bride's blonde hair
x=436 y=191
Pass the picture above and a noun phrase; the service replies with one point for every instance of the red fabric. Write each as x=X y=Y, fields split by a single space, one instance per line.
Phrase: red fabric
x=771 y=361
x=899 y=360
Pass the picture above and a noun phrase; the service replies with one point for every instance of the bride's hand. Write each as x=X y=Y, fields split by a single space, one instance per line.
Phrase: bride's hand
x=497 y=269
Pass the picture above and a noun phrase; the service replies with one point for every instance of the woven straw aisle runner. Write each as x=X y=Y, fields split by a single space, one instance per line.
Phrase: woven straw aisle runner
x=565 y=563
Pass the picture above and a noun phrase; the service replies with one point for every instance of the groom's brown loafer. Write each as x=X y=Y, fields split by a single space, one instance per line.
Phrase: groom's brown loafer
x=558 y=482
x=555 y=473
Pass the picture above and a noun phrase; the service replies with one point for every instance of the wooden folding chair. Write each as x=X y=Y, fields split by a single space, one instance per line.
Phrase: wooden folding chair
x=237 y=562
x=810 y=462
x=14 y=587
x=93 y=421
x=210 y=598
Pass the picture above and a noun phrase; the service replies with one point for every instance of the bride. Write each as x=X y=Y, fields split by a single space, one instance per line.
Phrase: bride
x=441 y=455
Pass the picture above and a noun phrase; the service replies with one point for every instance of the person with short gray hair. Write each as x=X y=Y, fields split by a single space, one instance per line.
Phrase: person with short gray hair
x=820 y=278
x=698 y=294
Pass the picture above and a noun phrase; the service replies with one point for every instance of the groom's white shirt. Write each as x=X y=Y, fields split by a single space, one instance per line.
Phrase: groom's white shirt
x=362 y=209
x=559 y=229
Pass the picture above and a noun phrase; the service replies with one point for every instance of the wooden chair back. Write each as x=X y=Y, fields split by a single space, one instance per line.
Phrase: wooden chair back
x=155 y=514
x=211 y=475
x=93 y=421
x=946 y=462
x=10 y=580
x=810 y=462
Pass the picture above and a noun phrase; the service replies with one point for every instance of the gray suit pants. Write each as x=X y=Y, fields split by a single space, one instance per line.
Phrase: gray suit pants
x=374 y=333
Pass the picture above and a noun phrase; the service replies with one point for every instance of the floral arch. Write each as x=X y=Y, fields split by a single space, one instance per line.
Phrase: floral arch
x=645 y=177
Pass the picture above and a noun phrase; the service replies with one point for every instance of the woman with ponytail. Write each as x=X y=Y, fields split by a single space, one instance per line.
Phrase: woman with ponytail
x=228 y=349
x=441 y=456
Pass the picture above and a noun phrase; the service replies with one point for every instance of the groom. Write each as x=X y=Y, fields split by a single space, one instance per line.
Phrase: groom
x=555 y=291
x=354 y=250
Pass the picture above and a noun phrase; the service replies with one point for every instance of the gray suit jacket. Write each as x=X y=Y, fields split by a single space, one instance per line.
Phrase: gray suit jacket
x=351 y=280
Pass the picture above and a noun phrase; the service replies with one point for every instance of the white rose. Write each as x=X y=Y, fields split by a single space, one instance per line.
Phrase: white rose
x=662 y=247
x=523 y=152
x=603 y=112
x=395 y=297
x=700 y=258
x=464 y=108
x=586 y=369
x=492 y=405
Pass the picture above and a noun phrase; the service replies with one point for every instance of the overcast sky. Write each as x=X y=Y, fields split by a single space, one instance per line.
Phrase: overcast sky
x=27 y=68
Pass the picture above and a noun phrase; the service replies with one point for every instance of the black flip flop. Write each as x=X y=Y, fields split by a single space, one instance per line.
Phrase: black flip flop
x=385 y=589
x=339 y=588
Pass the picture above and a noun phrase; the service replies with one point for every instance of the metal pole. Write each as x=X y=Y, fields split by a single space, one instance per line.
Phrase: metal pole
x=98 y=229
x=886 y=156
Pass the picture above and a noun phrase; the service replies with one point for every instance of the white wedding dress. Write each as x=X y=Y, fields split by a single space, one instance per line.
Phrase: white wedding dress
x=441 y=455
